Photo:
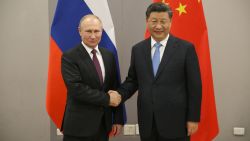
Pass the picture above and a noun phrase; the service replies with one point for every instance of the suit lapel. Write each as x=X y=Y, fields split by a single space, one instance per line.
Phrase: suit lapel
x=168 y=52
x=147 y=54
x=89 y=63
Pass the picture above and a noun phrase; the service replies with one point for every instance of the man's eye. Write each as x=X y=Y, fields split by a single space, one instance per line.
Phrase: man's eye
x=88 y=31
x=163 y=22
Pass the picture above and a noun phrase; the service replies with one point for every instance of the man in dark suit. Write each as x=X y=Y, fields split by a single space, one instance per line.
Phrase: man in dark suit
x=165 y=71
x=89 y=72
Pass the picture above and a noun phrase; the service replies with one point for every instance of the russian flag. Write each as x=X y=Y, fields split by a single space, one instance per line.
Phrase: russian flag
x=64 y=35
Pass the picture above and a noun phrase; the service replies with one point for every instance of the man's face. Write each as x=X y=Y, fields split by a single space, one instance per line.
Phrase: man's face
x=90 y=31
x=159 y=25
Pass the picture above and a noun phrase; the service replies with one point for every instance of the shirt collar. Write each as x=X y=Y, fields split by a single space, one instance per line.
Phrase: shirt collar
x=163 y=42
x=89 y=49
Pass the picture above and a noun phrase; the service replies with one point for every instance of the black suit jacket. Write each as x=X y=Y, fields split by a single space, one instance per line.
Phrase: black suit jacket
x=87 y=102
x=173 y=97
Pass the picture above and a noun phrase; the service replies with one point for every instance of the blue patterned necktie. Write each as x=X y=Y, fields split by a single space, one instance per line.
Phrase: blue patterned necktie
x=156 y=57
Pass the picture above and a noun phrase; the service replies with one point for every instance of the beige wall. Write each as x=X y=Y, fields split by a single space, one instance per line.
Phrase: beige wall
x=24 y=40
x=24 y=37
x=229 y=33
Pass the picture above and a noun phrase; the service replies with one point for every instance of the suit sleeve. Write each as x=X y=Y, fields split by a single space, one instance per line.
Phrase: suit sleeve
x=76 y=87
x=194 y=85
x=130 y=85
x=118 y=112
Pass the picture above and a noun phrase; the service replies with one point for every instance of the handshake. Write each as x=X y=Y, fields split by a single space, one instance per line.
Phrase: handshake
x=115 y=98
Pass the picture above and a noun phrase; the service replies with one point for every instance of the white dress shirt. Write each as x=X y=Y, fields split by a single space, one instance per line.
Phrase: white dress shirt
x=98 y=55
x=162 y=48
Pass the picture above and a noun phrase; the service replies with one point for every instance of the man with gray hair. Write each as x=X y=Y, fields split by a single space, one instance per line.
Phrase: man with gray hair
x=89 y=72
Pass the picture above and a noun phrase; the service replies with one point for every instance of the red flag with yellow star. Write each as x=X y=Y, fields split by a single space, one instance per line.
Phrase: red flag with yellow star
x=189 y=23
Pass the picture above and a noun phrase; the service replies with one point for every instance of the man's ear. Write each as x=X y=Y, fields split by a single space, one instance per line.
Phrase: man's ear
x=79 y=30
x=146 y=23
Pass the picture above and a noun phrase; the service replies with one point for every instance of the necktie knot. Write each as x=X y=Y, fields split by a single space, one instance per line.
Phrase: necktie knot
x=157 y=45
x=93 y=51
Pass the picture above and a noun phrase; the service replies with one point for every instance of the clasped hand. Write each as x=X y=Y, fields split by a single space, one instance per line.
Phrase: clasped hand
x=115 y=98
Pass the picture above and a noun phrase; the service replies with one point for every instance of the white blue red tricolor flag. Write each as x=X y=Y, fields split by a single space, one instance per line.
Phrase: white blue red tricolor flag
x=64 y=35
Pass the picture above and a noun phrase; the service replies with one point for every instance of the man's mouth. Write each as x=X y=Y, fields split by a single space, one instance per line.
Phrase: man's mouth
x=158 y=32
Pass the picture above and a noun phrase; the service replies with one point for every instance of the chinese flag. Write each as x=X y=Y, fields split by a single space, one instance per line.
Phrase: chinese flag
x=189 y=24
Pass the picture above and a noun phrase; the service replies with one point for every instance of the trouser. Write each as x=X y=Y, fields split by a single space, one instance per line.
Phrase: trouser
x=156 y=137
x=102 y=135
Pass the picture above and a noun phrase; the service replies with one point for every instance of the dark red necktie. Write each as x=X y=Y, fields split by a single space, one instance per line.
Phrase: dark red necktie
x=97 y=65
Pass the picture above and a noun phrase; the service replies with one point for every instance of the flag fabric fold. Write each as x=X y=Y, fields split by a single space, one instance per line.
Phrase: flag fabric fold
x=189 y=24
x=64 y=35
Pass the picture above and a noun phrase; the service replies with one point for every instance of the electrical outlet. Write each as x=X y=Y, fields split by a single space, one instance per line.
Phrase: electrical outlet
x=58 y=132
x=129 y=129
x=239 y=131
x=137 y=129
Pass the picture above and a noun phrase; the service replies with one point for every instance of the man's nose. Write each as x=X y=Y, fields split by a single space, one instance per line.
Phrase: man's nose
x=158 y=26
x=92 y=36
